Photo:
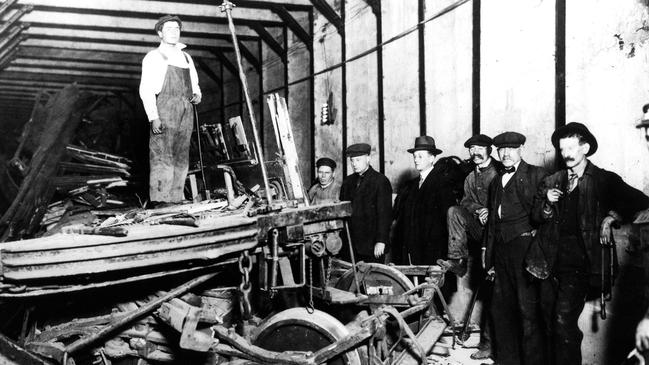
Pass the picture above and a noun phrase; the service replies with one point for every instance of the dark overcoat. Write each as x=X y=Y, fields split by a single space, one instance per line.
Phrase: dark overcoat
x=371 y=209
x=601 y=193
x=526 y=179
x=420 y=227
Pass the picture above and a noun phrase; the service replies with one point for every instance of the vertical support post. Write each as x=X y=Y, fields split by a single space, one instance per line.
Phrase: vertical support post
x=261 y=94
x=227 y=8
x=421 y=10
x=475 y=82
x=312 y=96
x=379 y=76
x=285 y=41
x=343 y=71
x=560 y=70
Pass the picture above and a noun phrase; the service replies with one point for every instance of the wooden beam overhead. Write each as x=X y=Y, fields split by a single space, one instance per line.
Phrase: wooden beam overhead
x=74 y=72
x=79 y=55
x=203 y=66
x=36 y=77
x=151 y=9
x=294 y=26
x=56 y=85
x=121 y=24
x=76 y=65
x=330 y=14
x=270 y=41
x=226 y=62
x=121 y=38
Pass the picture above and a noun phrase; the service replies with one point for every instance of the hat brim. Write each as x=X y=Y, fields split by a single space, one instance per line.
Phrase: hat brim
x=434 y=151
x=356 y=154
x=510 y=145
x=570 y=129
x=483 y=144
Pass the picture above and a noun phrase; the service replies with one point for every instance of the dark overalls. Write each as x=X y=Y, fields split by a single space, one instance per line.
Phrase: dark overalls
x=169 y=150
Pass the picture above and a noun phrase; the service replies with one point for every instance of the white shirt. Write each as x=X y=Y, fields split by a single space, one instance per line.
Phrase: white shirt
x=423 y=174
x=505 y=179
x=154 y=69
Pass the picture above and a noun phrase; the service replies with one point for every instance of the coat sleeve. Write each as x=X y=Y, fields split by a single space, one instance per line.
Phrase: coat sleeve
x=384 y=211
x=538 y=206
x=470 y=201
x=624 y=199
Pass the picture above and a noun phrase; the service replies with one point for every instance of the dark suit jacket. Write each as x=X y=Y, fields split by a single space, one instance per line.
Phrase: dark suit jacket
x=420 y=228
x=526 y=179
x=601 y=193
x=371 y=210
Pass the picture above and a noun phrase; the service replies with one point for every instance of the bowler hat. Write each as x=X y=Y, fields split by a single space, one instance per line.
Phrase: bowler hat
x=509 y=139
x=575 y=128
x=326 y=161
x=425 y=143
x=167 y=18
x=358 y=149
x=478 y=140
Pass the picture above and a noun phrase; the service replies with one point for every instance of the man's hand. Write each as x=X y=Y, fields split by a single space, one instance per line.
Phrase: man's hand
x=196 y=99
x=483 y=214
x=642 y=335
x=379 y=248
x=156 y=126
x=553 y=195
x=605 y=230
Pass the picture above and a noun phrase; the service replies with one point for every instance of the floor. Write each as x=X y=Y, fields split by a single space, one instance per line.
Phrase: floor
x=460 y=354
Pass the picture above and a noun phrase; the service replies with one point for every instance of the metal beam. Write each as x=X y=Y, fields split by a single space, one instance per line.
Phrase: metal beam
x=15 y=17
x=330 y=14
x=295 y=27
x=151 y=9
x=270 y=41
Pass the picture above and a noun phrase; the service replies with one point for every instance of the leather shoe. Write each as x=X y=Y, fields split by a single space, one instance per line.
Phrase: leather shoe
x=456 y=266
x=481 y=354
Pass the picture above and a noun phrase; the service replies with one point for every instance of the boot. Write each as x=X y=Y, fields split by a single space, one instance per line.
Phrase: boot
x=456 y=266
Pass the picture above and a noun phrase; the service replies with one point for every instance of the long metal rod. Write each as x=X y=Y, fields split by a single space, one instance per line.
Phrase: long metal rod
x=145 y=309
x=227 y=8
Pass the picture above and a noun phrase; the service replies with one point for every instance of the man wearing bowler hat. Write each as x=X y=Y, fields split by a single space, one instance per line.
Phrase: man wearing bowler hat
x=515 y=311
x=327 y=189
x=169 y=90
x=576 y=206
x=420 y=231
x=371 y=195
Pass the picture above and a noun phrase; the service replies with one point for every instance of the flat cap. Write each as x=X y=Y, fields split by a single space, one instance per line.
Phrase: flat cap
x=358 y=149
x=509 y=139
x=325 y=161
x=478 y=140
x=167 y=18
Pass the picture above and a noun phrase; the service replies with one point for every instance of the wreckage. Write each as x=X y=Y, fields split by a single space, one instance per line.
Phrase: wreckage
x=254 y=278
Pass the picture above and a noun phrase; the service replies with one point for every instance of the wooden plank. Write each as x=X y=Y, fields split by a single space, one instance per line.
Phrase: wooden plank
x=426 y=337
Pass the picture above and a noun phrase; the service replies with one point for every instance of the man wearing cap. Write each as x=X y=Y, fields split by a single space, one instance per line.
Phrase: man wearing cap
x=327 y=189
x=169 y=89
x=576 y=207
x=371 y=195
x=467 y=221
x=515 y=312
x=420 y=231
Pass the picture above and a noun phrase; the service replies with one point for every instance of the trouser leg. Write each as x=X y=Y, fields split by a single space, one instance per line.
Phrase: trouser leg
x=503 y=309
x=181 y=150
x=161 y=167
x=462 y=225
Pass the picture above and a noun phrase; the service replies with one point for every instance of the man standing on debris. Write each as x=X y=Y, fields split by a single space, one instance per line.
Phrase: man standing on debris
x=371 y=195
x=420 y=209
x=577 y=207
x=467 y=221
x=327 y=189
x=515 y=311
x=169 y=89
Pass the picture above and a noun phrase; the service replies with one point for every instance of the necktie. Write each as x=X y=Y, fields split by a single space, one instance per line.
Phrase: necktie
x=421 y=181
x=509 y=170
x=572 y=182
x=358 y=182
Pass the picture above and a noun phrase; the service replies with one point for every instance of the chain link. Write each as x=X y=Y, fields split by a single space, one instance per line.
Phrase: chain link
x=310 y=308
x=245 y=265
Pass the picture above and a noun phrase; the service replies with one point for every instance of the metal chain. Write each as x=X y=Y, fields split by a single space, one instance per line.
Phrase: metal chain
x=245 y=265
x=310 y=307
x=329 y=268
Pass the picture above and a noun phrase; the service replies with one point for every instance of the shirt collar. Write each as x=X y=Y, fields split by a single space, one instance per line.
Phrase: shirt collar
x=165 y=47
x=515 y=167
x=424 y=174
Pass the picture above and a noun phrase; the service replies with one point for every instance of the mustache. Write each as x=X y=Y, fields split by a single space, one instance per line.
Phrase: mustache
x=474 y=155
x=569 y=159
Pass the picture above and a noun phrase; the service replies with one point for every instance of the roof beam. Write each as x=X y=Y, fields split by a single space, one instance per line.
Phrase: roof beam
x=226 y=62
x=270 y=41
x=78 y=65
x=294 y=26
x=330 y=14
x=73 y=72
x=208 y=71
x=105 y=47
x=122 y=38
x=121 y=24
x=36 y=77
x=15 y=17
x=5 y=5
x=56 y=85
x=79 y=55
x=152 y=9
